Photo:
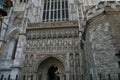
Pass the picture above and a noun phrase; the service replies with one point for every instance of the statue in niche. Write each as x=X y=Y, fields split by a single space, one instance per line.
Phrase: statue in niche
x=43 y=44
x=71 y=63
x=26 y=61
x=57 y=42
x=48 y=42
x=62 y=42
x=69 y=43
x=27 y=45
x=77 y=63
x=65 y=42
x=76 y=42
x=77 y=58
x=30 y=42
x=71 y=59
x=36 y=34
x=40 y=43
x=31 y=60
x=37 y=44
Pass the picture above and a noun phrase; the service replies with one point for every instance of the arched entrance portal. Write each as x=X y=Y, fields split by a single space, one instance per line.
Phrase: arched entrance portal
x=51 y=69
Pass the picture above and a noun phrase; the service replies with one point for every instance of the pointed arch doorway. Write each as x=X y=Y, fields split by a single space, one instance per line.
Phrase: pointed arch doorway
x=51 y=69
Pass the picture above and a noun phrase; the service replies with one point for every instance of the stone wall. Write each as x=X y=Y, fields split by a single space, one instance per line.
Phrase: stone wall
x=102 y=39
x=114 y=20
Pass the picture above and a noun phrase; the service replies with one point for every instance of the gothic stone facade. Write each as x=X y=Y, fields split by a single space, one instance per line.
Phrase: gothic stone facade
x=83 y=46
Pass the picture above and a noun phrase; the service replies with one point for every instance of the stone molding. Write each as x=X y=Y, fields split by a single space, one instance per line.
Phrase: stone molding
x=52 y=24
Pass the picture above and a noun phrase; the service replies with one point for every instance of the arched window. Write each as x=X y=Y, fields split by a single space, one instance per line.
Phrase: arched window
x=31 y=60
x=55 y=10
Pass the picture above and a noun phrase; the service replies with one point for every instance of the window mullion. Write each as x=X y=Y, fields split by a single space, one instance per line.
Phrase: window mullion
x=53 y=9
x=50 y=10
x=45 y=11
x=61 y=10
x=51 y=15
x=56 y=10
x=66 y=3
x=64 y=10
x=43 y=5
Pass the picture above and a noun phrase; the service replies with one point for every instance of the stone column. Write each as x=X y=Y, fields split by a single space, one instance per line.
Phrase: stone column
x=17 y=63
x=67 y=68
x=19 y=57
x=4 y=28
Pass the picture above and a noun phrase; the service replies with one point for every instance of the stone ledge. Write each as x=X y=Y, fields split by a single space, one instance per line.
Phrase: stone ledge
x=52 y=24
x=18 y=67
x=52 y=52
x=5 y=69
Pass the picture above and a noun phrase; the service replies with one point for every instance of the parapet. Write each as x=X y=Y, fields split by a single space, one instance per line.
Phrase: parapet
x=102 y=7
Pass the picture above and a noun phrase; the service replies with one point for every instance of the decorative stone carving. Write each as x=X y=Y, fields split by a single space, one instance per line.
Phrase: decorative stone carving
x=31 y=61
x=17 y=22
x=52 y=33
x=53 y=39
x=53 y=44
x=74 y=65
x=26 y=61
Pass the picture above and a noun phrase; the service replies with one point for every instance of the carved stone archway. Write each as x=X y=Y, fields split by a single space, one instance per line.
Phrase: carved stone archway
x=45 y=65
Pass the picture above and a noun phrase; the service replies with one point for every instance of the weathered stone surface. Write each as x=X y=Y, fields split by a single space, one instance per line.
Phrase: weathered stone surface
x=102 y=39
x=33 y=46
x=113 y=19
